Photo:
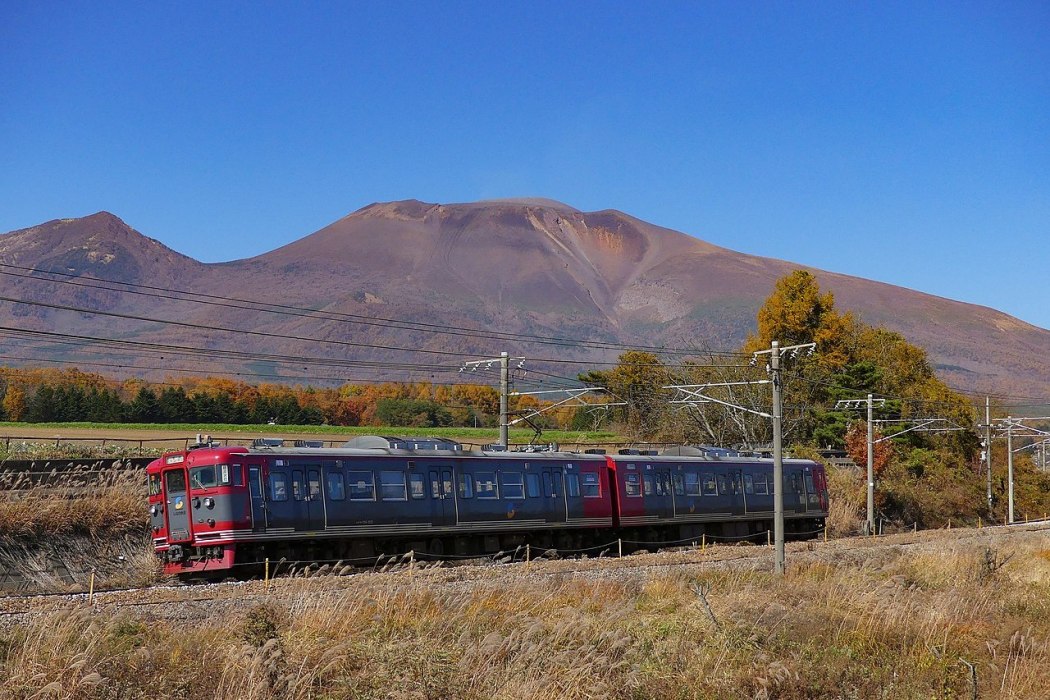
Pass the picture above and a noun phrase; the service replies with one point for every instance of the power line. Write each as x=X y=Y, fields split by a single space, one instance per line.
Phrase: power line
x=288 y=310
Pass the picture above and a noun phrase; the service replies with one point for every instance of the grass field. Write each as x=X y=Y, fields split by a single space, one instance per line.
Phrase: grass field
x=956 y=614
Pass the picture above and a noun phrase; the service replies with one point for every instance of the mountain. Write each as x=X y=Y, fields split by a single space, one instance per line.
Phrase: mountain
x=534 y=267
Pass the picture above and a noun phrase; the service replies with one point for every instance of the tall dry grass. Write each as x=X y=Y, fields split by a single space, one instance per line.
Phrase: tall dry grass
x=90 y=501
x=901 y=623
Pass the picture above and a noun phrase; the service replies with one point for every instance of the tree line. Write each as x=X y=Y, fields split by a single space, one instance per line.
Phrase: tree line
x=50 y=395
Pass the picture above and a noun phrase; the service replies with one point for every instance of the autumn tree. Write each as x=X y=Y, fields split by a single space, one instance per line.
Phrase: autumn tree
x=636 y=380
x=797 y=313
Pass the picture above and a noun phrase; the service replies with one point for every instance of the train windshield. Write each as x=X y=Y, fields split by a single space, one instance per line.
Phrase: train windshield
x=211 y=475
x=203 y=477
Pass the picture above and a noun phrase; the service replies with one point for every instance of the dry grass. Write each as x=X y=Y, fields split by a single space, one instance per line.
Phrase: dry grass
x=866 y=621
x=82 y=501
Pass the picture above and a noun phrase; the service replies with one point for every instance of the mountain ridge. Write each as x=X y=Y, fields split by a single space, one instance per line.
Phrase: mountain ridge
x=524 y=265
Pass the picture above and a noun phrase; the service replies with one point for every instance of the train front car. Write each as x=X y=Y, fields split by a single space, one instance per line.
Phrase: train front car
x=686 y=494
x=201 y=504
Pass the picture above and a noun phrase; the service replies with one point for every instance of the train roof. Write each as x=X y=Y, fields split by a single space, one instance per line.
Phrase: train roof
x=378 y=445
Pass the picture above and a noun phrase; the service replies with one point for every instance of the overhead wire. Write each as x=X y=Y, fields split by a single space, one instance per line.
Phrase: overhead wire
x=284 y=309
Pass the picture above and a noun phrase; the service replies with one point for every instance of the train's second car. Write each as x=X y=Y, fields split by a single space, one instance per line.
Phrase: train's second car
x=685 y=494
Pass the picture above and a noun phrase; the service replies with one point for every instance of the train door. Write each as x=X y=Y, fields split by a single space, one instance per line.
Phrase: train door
x=812 y=495
x=554 y=494
x=314 y=510
x=737 y=503
x=282 y=505
x=176 y=505
x=443 y=504
x=656 y=486
x=256 y=492
x=794 y=492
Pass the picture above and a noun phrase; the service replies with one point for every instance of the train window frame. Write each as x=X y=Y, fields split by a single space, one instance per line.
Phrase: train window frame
x=357 y=481
x=196 y=482
x=417 y=486
x=512 y=486
x=466 y=486
x=532 y=485
x=708 y=484
x=277 y=487
x=336 y=485
x=393 y=486
x=592 y=485
x=485 y=485
x=632 y=485
x=572 y=485
x=692 y=479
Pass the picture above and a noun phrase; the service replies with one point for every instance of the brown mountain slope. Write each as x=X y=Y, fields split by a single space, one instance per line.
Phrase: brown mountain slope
x=524 y=266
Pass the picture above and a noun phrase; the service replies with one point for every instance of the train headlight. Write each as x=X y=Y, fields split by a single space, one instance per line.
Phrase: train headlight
x=153 y=510
x=209 y=502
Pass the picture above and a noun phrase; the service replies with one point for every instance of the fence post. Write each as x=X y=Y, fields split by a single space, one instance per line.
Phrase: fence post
x=91 y=588
x=266 y=576
x=528 y=555
x=703 y=542
x=619 y=548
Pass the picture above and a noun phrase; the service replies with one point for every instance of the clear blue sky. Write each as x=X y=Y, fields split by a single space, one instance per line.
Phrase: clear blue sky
x=904 y=142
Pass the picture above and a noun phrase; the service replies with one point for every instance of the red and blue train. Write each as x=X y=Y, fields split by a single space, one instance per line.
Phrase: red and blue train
x=215 y=508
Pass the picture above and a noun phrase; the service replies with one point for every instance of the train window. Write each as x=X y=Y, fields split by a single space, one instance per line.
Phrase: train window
x=154 y=484
x=749 y=484
x=278 y=487
x=392 y=486
x=416 y=486
x=647 y=479
x=513 y=488
x=532 y=485
x=238 y=475
x=692 y=483
x=435 y=485
x=810 y=488
x=298 y=488
x=466 y=486
x=572 y=485
x=663 y=484
x=203 y=477
x=446 y=482
x=708 y=481
x=592 y=487
x=486 y=484
x=631 y=485
x=313 y=481
x=761 y=488
x=362 y=486
x=336 y=487
x=723 y=488
x=679 y=485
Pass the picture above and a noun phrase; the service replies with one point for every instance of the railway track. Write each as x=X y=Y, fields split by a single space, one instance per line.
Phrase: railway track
x=183 y=602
